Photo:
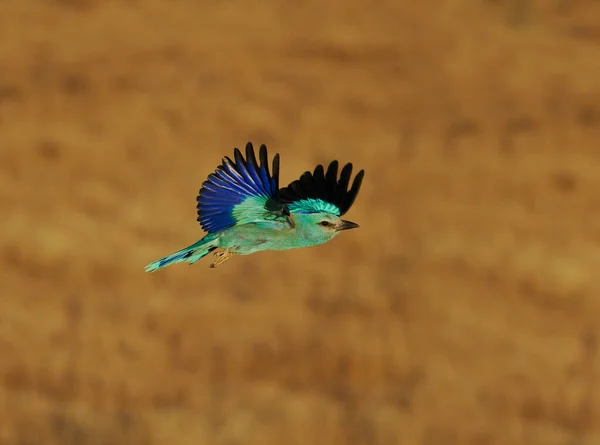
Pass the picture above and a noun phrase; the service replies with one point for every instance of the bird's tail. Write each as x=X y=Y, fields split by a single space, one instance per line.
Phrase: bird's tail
x=190 y=254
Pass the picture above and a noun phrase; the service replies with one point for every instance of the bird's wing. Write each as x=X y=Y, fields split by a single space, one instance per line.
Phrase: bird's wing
x=241 y=191
x=322 y=191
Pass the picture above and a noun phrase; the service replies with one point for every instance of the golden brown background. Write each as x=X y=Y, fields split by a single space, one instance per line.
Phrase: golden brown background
x=466 y=310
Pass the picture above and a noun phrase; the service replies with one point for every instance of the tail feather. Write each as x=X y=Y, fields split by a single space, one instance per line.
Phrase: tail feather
x=190 y=254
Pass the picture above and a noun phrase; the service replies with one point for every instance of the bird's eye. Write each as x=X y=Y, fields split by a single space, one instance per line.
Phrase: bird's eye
x=325 y=223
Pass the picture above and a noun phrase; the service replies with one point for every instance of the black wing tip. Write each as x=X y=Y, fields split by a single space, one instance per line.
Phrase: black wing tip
x=263 y=152
x=333 y=164
x=360 y=173
x=350 y=195
x=250 y=158
x=325 y=183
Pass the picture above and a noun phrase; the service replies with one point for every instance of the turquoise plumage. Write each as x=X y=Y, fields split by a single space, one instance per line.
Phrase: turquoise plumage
x=243 y=210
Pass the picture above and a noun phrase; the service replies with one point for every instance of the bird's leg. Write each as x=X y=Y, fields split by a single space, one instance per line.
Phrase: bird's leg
x=221 y=255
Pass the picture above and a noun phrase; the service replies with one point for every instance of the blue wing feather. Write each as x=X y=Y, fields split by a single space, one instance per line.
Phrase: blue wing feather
x=241 y=191
x=263 y=185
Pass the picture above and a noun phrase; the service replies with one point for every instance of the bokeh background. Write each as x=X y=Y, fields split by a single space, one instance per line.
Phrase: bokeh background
x=466 y=310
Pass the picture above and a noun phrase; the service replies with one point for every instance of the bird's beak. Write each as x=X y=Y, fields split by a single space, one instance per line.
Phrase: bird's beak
x=345 y=225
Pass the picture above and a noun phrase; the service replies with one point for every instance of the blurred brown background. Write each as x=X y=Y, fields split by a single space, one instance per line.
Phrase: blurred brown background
x=464 y=311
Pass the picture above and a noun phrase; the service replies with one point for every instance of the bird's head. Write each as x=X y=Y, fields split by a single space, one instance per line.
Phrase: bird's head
x=321 y=227
x=318 y=200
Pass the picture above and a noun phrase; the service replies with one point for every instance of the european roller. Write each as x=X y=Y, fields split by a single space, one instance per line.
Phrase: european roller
x=242 y=209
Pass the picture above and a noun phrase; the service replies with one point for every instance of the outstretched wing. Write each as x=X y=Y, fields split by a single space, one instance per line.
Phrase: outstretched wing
x=241 y=192
x=318 y=191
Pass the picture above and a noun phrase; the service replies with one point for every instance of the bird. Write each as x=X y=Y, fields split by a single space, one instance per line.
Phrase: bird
x=243 y=211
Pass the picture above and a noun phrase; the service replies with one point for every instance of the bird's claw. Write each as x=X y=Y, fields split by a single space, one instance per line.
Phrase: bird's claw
x=221 y=255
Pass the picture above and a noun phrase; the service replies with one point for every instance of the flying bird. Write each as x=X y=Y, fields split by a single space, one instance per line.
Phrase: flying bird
x=242 y=209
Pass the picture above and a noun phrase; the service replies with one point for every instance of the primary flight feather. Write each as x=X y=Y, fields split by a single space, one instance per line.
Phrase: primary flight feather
x=243 y=210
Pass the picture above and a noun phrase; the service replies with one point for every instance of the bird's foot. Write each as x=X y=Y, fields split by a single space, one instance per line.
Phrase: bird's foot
x=221 y=255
